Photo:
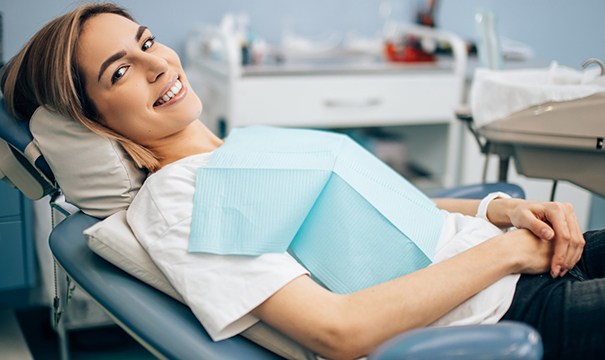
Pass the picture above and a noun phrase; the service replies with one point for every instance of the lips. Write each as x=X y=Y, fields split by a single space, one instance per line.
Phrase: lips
x=169 y=92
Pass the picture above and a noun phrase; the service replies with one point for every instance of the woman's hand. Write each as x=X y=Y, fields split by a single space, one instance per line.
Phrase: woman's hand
x=532 y=254
x=553 y=221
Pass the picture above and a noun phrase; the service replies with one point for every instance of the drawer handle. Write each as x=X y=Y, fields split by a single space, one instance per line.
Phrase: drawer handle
x=352 y=103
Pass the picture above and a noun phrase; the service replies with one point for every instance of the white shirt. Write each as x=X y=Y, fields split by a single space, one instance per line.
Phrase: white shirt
x=222 y=290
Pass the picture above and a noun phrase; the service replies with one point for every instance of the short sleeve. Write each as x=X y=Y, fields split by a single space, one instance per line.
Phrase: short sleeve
x=221 y=290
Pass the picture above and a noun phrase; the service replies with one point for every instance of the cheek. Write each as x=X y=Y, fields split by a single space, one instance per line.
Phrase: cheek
x=171 y=56
x=193 y=100
x=119 y=116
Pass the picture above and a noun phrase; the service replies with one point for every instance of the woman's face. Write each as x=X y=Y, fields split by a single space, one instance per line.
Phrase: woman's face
x=137 y=85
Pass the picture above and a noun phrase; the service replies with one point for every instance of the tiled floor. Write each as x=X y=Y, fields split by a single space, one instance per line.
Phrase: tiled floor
x=90 y=344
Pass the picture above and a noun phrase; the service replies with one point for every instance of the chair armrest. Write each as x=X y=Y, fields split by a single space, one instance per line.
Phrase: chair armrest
x=506 y=340
x=479 y=191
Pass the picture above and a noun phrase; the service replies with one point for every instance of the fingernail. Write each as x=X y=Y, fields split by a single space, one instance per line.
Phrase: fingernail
x=563 y=272
x=556 y=271
x=546 y=233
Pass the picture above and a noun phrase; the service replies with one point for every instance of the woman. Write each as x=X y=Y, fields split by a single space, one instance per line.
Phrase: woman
x=98 y=66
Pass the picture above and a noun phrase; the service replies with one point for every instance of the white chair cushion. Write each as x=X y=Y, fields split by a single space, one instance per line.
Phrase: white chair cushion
x=113 y=240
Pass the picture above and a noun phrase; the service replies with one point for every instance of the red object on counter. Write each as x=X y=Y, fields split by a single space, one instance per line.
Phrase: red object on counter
x=406 y=53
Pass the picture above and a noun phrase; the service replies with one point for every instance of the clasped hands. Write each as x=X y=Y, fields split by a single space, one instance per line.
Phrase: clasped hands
x=549 y=221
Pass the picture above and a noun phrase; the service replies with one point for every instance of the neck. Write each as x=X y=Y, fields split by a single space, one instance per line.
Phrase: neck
x=195 y=139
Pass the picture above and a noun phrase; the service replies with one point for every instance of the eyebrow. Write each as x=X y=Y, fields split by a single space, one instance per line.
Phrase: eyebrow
x=140 y=32
x=119 y=54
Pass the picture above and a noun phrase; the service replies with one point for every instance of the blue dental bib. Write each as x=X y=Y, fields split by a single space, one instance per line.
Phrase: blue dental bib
x=348 y=218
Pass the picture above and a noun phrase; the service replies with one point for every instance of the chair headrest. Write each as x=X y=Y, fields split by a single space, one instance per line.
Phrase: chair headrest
x=21 y=162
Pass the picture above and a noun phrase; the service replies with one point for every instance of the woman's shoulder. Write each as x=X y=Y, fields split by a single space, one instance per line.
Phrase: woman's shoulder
x=174 y=182
x=166 y=197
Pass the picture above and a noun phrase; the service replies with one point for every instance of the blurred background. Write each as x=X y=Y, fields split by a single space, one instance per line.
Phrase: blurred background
x=351 y=52
x=566 y=31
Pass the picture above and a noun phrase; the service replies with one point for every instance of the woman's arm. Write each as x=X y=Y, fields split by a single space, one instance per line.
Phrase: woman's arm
x=498 y=211
x=349 y=326
x=462 y=206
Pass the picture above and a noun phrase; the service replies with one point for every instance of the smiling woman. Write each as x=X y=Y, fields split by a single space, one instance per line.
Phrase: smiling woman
x=113 y=77
x=139 y=88
x=98 y=66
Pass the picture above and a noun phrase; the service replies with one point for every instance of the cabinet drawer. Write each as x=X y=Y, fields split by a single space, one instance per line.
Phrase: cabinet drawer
x=9 y=200
x=12 y=267
x=344 y=101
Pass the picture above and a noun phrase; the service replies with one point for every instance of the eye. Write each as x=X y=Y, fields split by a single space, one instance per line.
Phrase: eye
x=118 y=74
x=148 y=43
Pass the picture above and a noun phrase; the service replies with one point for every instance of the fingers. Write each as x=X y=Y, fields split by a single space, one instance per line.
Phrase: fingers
x=532 y=216
x=556 y=213
x=555 y=222
x=569 y=242
x=577 y=242
x=541 y=229
x=557 y=267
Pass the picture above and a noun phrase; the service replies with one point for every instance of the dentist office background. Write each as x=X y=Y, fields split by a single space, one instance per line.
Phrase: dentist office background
x=565 y=31
x=562 y=30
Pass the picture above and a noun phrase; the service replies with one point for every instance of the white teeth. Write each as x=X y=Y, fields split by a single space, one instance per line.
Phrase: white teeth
x=171 y=92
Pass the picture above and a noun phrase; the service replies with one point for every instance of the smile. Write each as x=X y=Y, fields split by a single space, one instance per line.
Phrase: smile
x=173 y=94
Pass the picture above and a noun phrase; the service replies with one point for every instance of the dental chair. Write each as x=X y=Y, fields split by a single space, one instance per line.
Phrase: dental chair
x=157 y=319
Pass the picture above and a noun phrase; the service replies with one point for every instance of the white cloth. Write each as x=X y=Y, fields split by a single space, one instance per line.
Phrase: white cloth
x=222 y=290
x=459 y=233
x=496 y=94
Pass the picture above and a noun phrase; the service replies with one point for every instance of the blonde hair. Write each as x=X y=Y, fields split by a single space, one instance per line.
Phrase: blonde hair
x=46 y=73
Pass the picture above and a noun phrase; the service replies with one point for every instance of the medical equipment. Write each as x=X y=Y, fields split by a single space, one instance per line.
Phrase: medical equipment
x=559 y=140
x=168 y=328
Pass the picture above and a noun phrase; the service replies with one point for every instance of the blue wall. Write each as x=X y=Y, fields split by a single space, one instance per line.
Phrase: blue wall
x=563 y=30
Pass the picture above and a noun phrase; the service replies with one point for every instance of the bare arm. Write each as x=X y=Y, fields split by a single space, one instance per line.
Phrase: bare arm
x=498 y=212
x=463 y=206
x=349 y=326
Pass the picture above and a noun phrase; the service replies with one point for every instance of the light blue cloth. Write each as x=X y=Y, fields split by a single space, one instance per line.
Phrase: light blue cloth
x=347 y=217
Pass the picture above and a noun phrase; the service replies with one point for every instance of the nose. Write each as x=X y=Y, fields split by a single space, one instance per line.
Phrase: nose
x=156 y=66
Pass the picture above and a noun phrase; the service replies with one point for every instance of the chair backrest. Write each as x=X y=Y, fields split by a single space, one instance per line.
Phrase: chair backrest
x=21 y=162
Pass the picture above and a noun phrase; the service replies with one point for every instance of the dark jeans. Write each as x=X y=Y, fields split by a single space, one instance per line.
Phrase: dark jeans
x=569 y=312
